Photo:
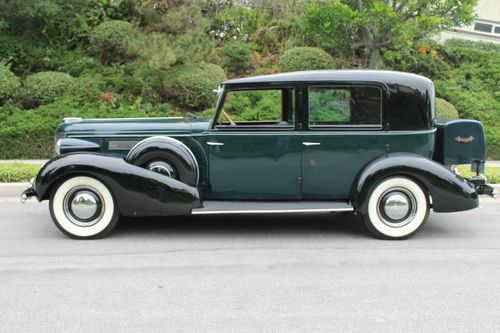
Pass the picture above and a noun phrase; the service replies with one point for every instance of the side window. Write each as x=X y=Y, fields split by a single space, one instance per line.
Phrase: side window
x=264 y=107
x=345 y=106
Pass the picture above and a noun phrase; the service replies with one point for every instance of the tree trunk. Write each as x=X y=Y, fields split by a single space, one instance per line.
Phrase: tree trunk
x=374 y=58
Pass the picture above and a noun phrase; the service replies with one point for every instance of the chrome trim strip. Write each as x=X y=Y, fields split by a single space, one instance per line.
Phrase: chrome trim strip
x=198 y=211
x=311 y=144
x=253 y=133
x=136 y=118
x=214 y=143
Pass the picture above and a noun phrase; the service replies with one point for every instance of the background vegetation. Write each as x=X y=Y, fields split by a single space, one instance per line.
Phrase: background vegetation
x=149 y=58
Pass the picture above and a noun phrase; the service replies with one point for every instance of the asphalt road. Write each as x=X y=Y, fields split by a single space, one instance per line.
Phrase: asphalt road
x=319 y=273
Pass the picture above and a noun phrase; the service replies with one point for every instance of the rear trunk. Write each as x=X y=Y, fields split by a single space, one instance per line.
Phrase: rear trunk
x=459 y=142
x=463 y=142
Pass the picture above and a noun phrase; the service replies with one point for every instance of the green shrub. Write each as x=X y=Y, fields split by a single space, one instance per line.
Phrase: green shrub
x=18 y=172
x=152 y=50
x=75 y=63
x=45 y=87
x=305 y=58
x=193 y=85
x=445 y=109
x=476 y=45
x=109 y=40
x=238 y=57
x=9 y=83
x=86 y=90
x=30 y=133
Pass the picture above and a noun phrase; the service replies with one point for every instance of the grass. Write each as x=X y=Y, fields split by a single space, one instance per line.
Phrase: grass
x=492 y=173
x=19 y=172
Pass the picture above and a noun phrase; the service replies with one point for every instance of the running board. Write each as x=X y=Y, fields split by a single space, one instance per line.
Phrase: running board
x=271 y=207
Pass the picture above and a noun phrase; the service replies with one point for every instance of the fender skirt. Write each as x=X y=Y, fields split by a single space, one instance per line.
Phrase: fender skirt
x=138 y=191
x=449 y=191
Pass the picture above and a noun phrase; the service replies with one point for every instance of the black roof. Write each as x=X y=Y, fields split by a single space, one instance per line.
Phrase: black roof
x=336 y=75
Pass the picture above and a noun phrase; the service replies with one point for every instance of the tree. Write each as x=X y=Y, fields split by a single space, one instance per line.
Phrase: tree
x=386 y=24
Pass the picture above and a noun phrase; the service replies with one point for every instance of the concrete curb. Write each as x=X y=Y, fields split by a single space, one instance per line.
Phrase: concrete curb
x=9 y=190
x=23 y=161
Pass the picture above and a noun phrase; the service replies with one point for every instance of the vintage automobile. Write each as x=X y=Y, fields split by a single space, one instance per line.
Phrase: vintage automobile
x=365 y=142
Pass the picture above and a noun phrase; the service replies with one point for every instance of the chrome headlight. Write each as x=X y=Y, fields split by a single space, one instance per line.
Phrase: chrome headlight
x=57 y=147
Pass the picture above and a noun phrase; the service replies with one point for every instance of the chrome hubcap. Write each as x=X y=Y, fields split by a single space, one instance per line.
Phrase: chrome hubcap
x=397 y=207
x=83 y=206
x=163 y=167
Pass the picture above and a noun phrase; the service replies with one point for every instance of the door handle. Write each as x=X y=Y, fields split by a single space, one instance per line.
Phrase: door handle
x=311 y=144
x=214 y=143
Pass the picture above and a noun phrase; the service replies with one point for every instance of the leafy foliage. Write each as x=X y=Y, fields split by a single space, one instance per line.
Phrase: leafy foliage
x=9 y=83
x=152 y=50
x=45 y=87
x=238 y=57
x=445 y=109
x=18 y=172
x=193 y=85
x=372 y=26
x=475 y=45
x=305 y=58
x=150 y=58
x=257 y=105
x=331 y=25
x=109 y=40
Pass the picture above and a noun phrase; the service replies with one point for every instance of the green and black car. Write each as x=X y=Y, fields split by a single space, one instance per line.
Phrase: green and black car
x=365 y=142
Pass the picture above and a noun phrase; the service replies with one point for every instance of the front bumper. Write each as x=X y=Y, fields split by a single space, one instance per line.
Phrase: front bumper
x=29 y=192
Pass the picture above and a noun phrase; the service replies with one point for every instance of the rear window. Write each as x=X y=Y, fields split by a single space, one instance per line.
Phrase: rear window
x=345 y=106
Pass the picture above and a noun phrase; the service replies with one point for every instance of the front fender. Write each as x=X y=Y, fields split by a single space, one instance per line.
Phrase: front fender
x=449 y=192
x=138 y=191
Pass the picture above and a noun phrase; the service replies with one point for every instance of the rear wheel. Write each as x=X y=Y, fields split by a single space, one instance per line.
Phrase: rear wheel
x=83 y=207
x=397 y=208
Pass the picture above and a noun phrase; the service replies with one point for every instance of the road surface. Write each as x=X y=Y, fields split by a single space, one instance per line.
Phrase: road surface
x=321 y=273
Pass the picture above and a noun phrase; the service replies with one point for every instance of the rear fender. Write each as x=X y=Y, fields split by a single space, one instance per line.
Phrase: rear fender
x=138 y=191
x=449 y=192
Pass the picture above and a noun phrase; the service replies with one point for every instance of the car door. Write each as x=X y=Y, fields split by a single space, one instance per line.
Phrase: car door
x=343 y=132
x=253 y=146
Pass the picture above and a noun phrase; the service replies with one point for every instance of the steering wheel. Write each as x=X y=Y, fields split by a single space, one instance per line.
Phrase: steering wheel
x=231 y=122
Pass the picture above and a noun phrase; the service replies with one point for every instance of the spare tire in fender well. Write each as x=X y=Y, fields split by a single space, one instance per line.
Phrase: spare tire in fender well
x=169 y=149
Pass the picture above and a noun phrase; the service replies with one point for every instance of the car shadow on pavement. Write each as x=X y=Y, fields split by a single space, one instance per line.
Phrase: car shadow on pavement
x=339 y=223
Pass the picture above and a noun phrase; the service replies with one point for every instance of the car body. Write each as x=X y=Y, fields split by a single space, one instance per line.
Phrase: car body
x=316 y=141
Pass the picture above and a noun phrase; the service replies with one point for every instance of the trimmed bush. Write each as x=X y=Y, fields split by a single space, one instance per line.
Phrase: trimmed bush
x=305 y=58
x=445 y=109
x=192 y=85
x=109 y=40
x=9 y=83
x=45 y=87
x=238 y=57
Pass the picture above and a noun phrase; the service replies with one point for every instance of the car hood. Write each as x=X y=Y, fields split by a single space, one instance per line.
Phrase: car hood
x=132 y=126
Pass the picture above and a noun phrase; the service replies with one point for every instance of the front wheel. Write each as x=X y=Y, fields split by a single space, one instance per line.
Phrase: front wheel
x=83 y=207
x=397 y=208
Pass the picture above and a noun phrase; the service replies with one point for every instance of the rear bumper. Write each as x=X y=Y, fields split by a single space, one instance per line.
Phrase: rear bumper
x=481 y=187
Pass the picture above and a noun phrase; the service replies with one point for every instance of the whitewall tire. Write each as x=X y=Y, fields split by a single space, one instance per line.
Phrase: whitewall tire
x=397 y=208
x=83 y=207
